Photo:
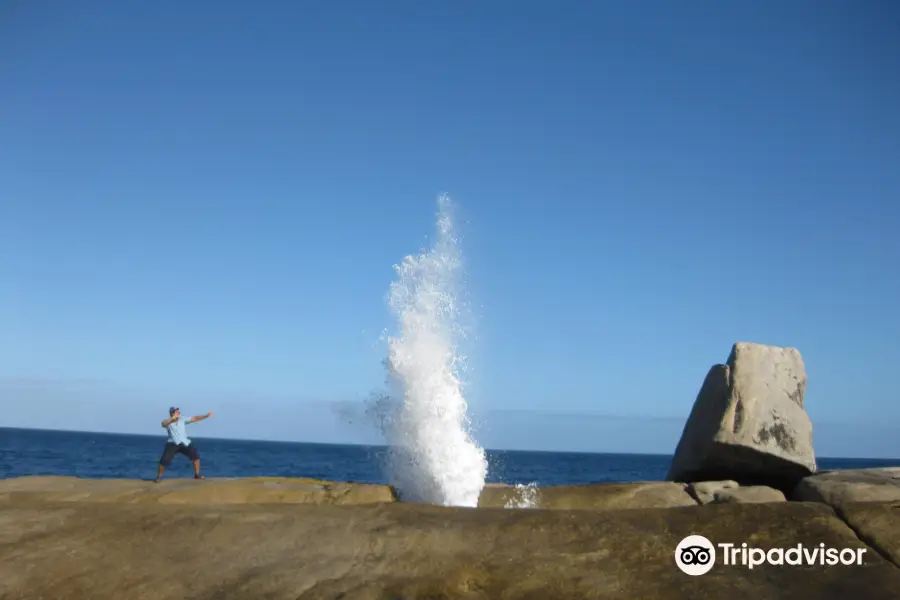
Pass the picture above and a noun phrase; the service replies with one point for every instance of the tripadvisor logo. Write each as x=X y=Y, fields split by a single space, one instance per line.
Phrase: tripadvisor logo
x=696 y=555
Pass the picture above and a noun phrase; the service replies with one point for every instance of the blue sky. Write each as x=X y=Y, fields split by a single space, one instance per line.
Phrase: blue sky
x=202 y=203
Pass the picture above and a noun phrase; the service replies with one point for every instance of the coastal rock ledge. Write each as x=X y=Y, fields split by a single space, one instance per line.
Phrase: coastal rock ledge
x=250 y=490
x=183 y=539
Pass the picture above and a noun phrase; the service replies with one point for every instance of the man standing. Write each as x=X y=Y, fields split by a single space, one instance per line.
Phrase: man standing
x=178 y=442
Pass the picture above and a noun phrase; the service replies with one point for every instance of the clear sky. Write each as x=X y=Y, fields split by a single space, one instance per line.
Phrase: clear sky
x=201 y=203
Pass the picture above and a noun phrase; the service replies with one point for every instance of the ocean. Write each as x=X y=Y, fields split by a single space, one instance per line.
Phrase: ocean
x=106 y=455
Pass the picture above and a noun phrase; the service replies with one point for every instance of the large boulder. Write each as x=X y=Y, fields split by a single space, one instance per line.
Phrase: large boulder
x=391 y=551
x=853 y=485
x=748 y=423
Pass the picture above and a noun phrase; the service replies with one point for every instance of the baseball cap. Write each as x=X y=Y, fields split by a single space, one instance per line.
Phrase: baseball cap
x=173 y=410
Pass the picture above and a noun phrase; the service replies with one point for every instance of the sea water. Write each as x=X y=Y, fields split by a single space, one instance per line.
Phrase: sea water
x=115 y=455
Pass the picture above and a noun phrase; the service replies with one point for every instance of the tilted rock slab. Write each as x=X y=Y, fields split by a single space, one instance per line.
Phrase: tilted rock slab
x=880 y=484
x=748 y=423
x=877 y=524
x=390 y=551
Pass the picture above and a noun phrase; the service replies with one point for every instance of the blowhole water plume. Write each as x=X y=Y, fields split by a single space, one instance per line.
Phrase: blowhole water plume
x=433 y=457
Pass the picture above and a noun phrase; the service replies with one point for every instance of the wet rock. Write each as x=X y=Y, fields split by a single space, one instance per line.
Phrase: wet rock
x=263 y=490
x=596 y=496
x=852 y=485
x=748 y=422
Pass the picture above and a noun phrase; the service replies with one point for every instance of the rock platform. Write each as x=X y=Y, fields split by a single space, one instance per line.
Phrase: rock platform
x=306 y=539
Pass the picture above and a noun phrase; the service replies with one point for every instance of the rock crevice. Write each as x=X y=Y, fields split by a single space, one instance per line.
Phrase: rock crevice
x=884 y=538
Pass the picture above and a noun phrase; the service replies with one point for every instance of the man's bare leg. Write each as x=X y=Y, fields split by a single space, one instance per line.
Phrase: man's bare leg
x=197 y=474
x=159 y=473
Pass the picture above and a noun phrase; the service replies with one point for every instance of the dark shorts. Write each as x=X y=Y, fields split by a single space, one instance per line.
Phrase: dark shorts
x=171 y=450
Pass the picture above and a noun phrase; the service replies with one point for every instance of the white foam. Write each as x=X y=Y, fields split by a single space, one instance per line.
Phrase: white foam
x=433 y=456
x=526 y=496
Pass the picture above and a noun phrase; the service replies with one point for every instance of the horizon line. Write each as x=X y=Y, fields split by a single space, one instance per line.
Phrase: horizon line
x=385 y=446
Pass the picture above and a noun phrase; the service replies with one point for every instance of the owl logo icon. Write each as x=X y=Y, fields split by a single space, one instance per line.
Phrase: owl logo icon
x=695 y=555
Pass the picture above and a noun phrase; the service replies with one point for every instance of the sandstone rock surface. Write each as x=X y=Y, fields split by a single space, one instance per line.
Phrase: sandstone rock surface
x=390 y=551
x=597 y=496
x=751 y=493
x=857 y=485
x=263 y=490
x=748 y=422
x=704 y=491
x=271 y=490
x=713 y=492
x=877 y=524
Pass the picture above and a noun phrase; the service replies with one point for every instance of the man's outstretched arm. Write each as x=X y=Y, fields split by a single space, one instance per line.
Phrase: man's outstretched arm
x=200 y=418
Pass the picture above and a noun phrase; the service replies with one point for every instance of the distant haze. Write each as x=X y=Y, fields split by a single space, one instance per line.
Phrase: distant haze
x=95 y=406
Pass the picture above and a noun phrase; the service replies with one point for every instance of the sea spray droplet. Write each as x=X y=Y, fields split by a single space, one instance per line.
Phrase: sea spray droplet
x=433 y=457
x=526 y=496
